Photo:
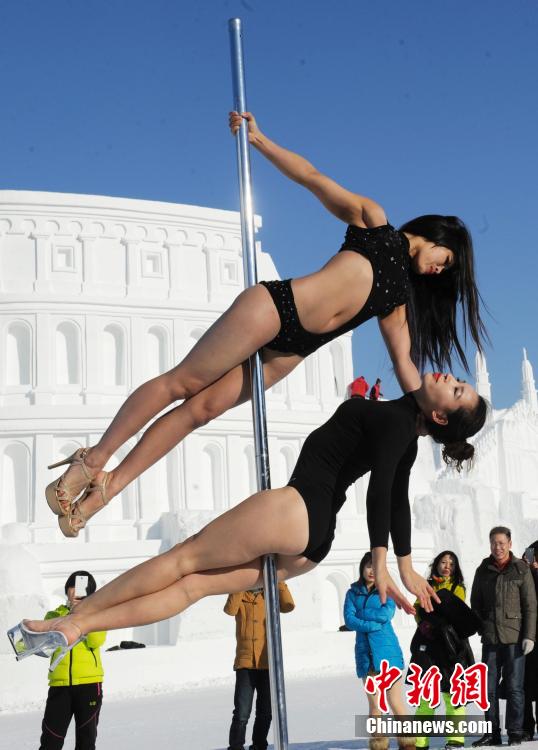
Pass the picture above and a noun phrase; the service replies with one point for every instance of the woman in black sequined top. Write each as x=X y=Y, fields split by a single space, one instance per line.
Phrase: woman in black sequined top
x=411 y=279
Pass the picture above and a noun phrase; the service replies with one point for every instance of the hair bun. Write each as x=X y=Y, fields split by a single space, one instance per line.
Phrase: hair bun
x=454 y=454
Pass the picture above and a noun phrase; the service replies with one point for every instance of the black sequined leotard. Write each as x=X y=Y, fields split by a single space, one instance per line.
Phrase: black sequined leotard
x=387 y=249
x=361 y=436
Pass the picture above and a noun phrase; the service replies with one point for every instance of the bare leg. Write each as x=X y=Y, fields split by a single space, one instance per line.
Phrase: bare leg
x=178 y=596
x=396 y=699
x=272 y=521
x=376 y=742
x=245 y=327
x=164 y=434
x=250 y=322
x=397 y=706
x=373 y=703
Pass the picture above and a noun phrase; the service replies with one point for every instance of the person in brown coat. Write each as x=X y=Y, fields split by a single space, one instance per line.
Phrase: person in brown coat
x=251 y=665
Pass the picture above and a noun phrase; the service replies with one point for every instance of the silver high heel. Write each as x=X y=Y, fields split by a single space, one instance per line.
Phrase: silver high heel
x=26 y=642
x=21 y=646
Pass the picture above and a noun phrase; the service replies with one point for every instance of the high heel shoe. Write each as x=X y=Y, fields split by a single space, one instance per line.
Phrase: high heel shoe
x=28 y=642
x=60 y=504
x=76 y=519
x=20 y=645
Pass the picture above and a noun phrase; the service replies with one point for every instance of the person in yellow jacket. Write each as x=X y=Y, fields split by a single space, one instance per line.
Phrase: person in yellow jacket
x=445 y=573
x=75 y=686
x=251 y=665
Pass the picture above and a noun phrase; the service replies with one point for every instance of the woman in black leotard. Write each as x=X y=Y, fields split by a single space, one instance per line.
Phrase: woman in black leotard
x=411 y=279
x=297 y=522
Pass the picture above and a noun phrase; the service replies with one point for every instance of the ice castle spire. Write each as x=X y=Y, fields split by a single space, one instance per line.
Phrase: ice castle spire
x=483 y=386
x=528 y=387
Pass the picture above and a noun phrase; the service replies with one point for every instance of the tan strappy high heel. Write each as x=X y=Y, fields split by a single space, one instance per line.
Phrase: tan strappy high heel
x=76 y=519
x=61 y=504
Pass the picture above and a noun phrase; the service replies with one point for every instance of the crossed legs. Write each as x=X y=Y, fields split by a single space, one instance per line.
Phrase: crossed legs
x=211 y=379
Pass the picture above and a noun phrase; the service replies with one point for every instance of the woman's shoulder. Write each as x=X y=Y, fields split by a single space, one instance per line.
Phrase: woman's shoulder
x=458 y=590
x=373 y=214
x=368 y=214
x=374 y=600
x=405 y=404
x=397 y=418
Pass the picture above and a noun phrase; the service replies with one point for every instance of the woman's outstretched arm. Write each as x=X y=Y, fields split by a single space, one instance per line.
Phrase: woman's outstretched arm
x=395 y=332
x=345 y=205
x=384 y=583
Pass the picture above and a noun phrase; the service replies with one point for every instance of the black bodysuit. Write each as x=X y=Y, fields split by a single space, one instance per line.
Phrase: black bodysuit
x=387 y=249
x=361 y=436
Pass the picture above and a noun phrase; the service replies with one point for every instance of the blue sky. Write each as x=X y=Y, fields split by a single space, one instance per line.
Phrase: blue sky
x=427 y=107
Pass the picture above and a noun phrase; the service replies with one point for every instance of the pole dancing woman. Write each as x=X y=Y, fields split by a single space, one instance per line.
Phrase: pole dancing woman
x=296 y=522
x=411 y=279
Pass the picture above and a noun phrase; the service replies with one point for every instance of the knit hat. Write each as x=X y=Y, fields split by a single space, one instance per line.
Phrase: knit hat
x=90 y=588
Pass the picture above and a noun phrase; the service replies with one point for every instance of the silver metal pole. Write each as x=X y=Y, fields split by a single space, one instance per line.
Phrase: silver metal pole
x=272 y=608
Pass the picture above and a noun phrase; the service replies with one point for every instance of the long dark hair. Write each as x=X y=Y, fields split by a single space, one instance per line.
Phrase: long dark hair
x=457 y=575
x=432 y=306
x=366 y=560
x=461 y=424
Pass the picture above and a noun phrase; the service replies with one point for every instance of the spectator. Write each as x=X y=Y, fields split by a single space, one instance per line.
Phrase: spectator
x=75 y=686
x=375 y=391
x=358 y=388
x=530 y=719
x=251 y=665
x=437 y=641
x=504 y=598
x=375 y=640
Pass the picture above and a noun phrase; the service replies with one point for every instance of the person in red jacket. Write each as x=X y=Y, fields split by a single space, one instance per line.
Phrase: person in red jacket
x=375 y=391
x=359 y=387
x=251 y=665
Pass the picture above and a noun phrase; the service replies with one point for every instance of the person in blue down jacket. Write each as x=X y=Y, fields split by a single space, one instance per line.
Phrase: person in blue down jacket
x=375 y=640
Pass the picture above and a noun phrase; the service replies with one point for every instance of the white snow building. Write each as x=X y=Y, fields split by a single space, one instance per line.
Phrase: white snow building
x=100 y=294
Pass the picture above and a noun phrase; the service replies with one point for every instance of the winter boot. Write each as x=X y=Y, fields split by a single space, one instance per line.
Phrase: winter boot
x=378 y=743
x=488 y=740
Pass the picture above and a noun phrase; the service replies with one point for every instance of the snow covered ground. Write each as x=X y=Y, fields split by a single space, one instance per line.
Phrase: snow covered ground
x=318 y=710
x=182 y=697
x=321 y=711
